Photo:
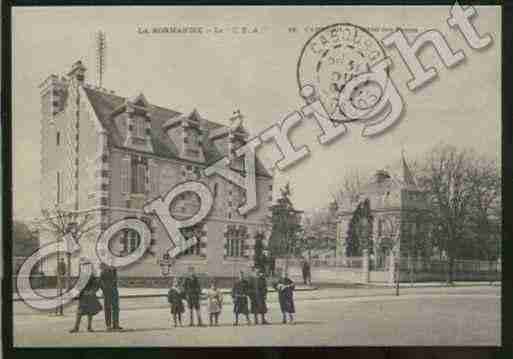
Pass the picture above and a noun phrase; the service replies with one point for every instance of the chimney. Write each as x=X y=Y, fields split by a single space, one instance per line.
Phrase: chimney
x=77 y=73
x=381 y=176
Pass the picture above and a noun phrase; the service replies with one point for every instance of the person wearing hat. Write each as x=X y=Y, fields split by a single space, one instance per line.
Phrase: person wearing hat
x=285 y=288
x=258 y=295
x=307 y=276
x=174 y=297
x=109 y=285
x=88 y=303
x=240 y=299
x=192 y=290
x=215 y=303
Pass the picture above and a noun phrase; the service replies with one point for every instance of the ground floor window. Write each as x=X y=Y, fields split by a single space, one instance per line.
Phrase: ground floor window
x=235 y=247
x=124 y=243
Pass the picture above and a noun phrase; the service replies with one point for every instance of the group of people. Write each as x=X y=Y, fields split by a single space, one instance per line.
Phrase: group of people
x=249 y=295
x=89 y=305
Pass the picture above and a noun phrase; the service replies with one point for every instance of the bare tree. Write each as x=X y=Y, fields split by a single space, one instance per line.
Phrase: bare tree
x=485 y=188
x=459 y=186
x=349 y=190
x=319 y=230
x=60 y=222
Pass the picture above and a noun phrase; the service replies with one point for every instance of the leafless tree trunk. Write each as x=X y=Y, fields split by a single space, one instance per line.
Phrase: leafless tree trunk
x=349 y=190
x=459 y=184
x=60 y=223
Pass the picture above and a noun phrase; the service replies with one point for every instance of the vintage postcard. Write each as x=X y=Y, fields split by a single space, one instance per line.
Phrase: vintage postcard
x=256 y=176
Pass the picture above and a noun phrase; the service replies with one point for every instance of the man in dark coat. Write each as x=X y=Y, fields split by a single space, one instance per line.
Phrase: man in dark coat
x=272 y=264
x=285 y=288
x=192 y=291
x=306 y=273
x=258 y=295
x=109 y=285
x=240 y=299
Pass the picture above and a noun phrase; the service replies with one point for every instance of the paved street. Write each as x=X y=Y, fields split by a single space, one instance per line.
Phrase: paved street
x=420 y=316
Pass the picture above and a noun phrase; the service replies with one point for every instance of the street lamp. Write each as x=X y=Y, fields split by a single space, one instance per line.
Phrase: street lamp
x=72 y=229
x=392 y=243
x=413 y=237
x=364 y=234
x=165 y=264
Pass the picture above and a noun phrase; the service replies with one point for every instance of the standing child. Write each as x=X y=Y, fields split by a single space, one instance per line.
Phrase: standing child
x=285 y=288
x=174 y=297
x=240 y=299
x=215 y=303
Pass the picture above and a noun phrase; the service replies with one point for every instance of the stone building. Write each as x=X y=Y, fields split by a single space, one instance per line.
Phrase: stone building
x=109 y=155
x=398 y=208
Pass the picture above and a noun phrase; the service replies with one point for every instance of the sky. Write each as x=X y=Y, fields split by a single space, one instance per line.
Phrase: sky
x=217 y=73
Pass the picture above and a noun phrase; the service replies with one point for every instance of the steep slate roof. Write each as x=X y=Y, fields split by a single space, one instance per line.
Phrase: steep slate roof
x=104 y=105
x=380 y=184
x=384 y=181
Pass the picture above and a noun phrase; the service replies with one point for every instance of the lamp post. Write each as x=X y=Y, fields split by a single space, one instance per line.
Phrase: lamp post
x=72 y=230
x=413 y=233
x=364 y=233
x=398 y=279
x=60 y=309
x=165 y=264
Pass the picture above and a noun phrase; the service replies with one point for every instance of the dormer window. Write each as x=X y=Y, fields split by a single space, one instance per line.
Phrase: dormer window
x=186 y=132
x=139 y=128
x=138 y=123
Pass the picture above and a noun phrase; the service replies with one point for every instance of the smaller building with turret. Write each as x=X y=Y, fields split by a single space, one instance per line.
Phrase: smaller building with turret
x=398 y=208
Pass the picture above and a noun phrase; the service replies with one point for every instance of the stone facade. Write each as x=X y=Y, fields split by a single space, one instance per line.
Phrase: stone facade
x=110 y=155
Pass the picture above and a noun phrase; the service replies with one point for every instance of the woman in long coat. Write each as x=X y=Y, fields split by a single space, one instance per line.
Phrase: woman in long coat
x=285 y=288
x=240 y=299
x=88 y=304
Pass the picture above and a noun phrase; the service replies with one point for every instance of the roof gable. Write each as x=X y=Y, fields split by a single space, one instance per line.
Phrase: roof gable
x=140 y=100
x=107 y=105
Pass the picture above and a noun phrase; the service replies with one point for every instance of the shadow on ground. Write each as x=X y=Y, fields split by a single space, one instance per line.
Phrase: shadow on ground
x=205 y=327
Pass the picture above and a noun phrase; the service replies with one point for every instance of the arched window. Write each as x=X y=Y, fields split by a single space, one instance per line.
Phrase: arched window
x=235 y=237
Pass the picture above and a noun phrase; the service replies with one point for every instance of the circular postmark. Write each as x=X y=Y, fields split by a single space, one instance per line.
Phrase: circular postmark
x=331 y=58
